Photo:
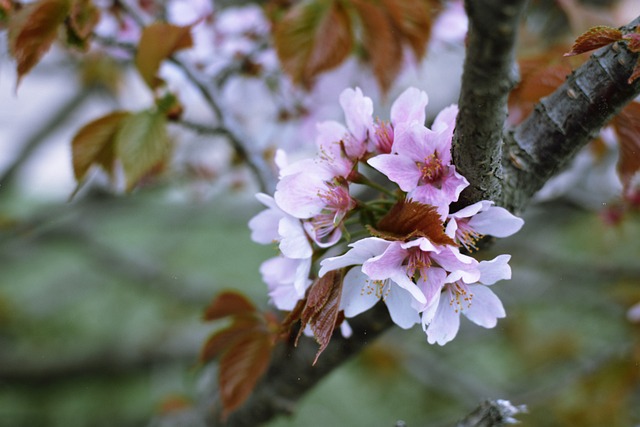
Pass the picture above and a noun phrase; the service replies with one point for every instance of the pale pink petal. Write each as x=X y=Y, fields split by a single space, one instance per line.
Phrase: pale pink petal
x=432 y=284
x=360 y=251
x=471 y=210
x=399 y=169
x=387 y=264
x=358 y=111
x=294 y=242
x=357 y=294
x=446 y=120
x=496 y=221
x=446 y=322
x=401 y=279
x=413 y=141
x=495 y=270
x=485 y=308
x=297 y=194
x=634 y=313
x=264 y=226
x=399 y=304
x=409 y=107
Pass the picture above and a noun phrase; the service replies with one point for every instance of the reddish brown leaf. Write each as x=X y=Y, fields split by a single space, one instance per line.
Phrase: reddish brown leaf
x=311 y=38
x=322 y=308
x=595 y=38
x=228 y=303
x=627 y=127
x=635 y=74
x=241 y=367
x=382 y=44
x=94 y=143
x=225 y=338
x=32 y=30
x=409 y=219
x=158 y=42
x=84 y=17
x=633 y=41
x=413 y=19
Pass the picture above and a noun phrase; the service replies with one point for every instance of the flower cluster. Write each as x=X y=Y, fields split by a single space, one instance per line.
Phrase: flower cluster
x=392 y=184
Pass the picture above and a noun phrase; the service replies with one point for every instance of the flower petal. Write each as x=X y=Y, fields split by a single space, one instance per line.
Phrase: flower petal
x=399 y=304
x=495 y=270
x=361 y=251
x=496 y=221
x=357 y=295
x=409 y=107
x=446 y=322
x=358 y=112
x=485 y=308
x=294 y=242
x=399 y=169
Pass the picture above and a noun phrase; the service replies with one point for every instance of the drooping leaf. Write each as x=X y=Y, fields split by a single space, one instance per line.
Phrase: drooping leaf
x=94 y=143
x=635 y=74
x=413 y=19
x=225 y=338
x=142 y=144
x=321 y=309
x=158 y=42
x=382 y=44
x=83 y=18
x=313 y=37
x=228 y=304
x=627 y=127
x=595 y=38
x=408 y=219
x=241 y=367
x=32 y=30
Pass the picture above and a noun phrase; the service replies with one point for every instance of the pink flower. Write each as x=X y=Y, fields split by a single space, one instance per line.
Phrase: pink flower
x=361 y=292
x=441 y=319
x=287 y=280
x=420 y=162
x=408 y=108
x=468 y=225
x=309 y=190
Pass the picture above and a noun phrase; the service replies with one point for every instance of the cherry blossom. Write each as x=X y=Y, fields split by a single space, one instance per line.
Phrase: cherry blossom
x=441 y=319
x=420 y=162
x=471 y=223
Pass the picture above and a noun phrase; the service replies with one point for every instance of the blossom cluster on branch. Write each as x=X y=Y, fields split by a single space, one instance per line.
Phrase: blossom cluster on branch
x=386 y=189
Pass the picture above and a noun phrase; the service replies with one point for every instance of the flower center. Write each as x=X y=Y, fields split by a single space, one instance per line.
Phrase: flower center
x=418 y=262
x=378 y=288
x=431 y=169
x=460 y=296
x=467 y=236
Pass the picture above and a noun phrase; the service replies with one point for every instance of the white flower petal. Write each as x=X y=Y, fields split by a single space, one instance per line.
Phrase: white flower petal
x=357 y=294
x=446 y=322
x=399 y=304
x=496 y=221
x=360 y=251
x=485 y=308
x=495 y=270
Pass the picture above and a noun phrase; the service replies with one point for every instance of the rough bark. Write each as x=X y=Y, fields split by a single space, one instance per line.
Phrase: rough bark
x=563 y=122
x=488 y=77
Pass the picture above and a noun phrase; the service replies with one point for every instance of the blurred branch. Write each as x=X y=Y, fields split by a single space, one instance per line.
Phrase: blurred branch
x=565 y=121
x=488 y=77
x=57 y=120
x=492 y=413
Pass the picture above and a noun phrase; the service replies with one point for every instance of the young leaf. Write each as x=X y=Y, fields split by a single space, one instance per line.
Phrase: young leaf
x=311 y=38
x=595 y=38
x=142 y=144
x=158 y=42
x=32 y=30
x=413 y=20
x=228 y=304
x=381 y=42
x=635 y=74
x=627 y=127
x=408 y=219
x=225 y=338
x=94 y=143
x=241 y=367
x=83 y=18
x=321 y=309
x=633 y=41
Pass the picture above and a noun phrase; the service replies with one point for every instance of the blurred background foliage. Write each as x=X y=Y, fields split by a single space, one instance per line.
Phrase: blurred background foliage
x=101 y=301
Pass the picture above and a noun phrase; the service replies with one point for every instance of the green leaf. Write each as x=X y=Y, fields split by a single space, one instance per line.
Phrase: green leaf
x=32 y=30
x=142 y=144
x=158 y=42
x=311 y=38
x=94 y=144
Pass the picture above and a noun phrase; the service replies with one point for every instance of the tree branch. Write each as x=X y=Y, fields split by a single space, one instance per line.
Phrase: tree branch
x=492 y=413
x=488 y=77
x=566 y=121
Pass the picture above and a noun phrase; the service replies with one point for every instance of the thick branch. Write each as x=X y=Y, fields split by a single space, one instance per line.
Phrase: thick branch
x=489 y=76
x=566 y=120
